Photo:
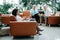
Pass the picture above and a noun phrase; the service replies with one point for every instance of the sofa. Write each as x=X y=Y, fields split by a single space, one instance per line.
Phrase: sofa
x=22 y=28
x=54 y=20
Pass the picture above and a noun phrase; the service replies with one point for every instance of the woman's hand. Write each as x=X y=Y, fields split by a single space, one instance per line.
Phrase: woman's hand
x=24 y=18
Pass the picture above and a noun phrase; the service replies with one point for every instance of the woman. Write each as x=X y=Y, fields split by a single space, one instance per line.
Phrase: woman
x=15 y=13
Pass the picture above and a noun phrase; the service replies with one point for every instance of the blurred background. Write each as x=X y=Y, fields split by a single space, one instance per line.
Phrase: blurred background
x=6 y=6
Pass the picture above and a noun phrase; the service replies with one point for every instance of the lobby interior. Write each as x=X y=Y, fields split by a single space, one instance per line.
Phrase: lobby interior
x=10 y=29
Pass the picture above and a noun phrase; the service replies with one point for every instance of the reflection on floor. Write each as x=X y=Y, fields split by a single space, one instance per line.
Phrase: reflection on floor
x=49 y=33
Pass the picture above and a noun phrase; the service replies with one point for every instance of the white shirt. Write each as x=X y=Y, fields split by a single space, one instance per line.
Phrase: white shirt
x=18 y=18
x=47 y=12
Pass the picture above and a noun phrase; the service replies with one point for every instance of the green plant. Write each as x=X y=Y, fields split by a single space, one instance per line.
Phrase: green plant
x=58 y=9
x=4 y=8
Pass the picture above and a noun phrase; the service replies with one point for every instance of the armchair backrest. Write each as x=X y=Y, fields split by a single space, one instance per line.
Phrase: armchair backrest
x=26 y=13
x=5 y=19
x=12 y=18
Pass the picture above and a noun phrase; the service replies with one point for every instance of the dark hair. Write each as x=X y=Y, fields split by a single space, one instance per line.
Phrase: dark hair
x=14 y=12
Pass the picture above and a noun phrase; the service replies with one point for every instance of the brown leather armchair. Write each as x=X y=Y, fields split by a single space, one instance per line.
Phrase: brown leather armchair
x=22 y=28
x=5 y=19
x=54 y=20
x=27 y=13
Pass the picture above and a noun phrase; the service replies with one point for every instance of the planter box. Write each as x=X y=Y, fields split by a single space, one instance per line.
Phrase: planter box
x=4 y=30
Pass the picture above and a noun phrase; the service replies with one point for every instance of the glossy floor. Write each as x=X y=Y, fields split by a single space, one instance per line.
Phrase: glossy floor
x=49 y=33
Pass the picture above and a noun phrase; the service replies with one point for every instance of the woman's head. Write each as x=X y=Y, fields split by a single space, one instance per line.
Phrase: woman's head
x=15 y=12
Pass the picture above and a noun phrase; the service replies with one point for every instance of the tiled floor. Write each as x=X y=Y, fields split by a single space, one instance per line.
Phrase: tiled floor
x=49 y=33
